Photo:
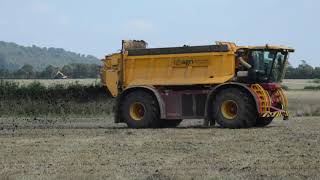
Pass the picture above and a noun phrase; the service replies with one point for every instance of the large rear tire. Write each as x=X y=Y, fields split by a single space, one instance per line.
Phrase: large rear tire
x=139 y=109
x=234 y=108
x=262 y=122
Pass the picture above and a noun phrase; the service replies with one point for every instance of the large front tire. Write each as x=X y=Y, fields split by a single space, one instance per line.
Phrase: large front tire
x=139 y=109
x=234 y=108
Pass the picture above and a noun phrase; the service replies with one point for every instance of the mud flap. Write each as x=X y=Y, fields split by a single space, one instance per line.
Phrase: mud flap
x=116 y=110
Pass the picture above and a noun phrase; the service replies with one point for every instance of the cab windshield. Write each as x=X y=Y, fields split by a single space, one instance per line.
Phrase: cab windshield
x=268 y=64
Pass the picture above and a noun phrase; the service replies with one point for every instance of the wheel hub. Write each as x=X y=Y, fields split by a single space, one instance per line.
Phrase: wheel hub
x=137 y=111
x=229 y=109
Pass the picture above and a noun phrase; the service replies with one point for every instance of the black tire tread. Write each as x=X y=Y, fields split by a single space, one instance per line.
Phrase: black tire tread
x=149 y=101
x=247 y=117
x=263 y=122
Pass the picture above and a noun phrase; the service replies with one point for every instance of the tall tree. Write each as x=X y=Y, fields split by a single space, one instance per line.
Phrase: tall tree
x=49 y=72
x=26 y=71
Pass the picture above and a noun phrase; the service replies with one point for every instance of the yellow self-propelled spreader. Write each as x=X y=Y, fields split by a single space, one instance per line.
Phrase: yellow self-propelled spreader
x=235 y=86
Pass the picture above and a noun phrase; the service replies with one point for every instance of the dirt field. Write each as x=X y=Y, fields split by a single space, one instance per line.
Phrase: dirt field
x=298 y=84
x=79 y=146
x=98 y=149
x=304 y=103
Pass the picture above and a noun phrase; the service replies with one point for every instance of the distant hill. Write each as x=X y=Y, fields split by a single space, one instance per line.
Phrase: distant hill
x=14 y=56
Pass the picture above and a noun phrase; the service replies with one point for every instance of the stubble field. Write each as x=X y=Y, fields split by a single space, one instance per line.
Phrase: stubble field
x=59 y=146
x=95 y=148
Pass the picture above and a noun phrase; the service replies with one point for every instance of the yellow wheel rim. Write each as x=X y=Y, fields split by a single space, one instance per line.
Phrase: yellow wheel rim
x=229 y=109
x=137 y=111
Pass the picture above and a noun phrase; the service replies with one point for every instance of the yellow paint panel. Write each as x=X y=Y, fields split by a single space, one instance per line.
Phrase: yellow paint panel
x=177 y=69
x=112 y=81
x=181 y=69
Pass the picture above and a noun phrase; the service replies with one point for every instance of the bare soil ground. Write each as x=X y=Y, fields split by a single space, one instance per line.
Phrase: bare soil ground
x=298 y=84
x=96 y=148
x=304 y=103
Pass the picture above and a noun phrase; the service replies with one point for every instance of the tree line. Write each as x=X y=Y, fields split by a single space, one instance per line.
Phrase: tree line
x=14 y=56
x=75 y=71
x=303 y=71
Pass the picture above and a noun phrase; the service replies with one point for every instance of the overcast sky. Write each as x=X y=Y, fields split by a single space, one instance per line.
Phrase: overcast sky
x=97 y=27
